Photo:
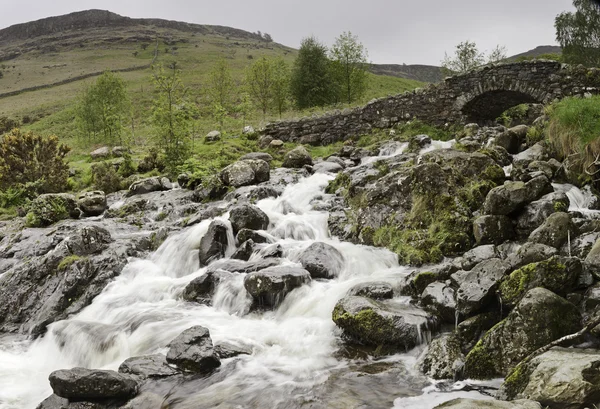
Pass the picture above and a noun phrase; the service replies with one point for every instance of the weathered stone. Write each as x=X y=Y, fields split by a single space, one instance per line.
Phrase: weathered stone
x=536 y=212
x=213 y=136
x=225 y=350
x=244 y=251
x=214 y=243
x=91 y=384
x=297 y=158
x=92 y=203
x=476 y=255
x=555 y=231
x=201 y=289
x=248 y=234
x=276 y=144
x=592 y=261
x=148 y=366
x=492 y=229
x=439 y=299
x=530 y=253
x=245 y=267
x=193 y=351
x=154 y=184
x=375 y=290
x=50 y=208
x=444 y=358
x=268 y=287
x=418 y=280
x=327 y=167
x=246 y=172
x=257 y=156
x=322 y=260
x=248 y=217
x=512 y=196
x=100 y=153
x=512 y=139
x=470 y=330
x=540 y=318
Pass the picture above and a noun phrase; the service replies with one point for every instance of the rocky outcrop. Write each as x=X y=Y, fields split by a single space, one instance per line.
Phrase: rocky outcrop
x=193 y=351
x=513 y=196
x=245 y=172
x=154 y=184
x=322 y=260
x=214 y=243
x=297 y=158
x=268 y=287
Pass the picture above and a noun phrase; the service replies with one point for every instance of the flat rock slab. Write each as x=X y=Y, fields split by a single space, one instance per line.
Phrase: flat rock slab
x=92 y=384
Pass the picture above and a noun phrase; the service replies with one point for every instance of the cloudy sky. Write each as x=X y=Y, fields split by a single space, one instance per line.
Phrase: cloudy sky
x=394 y=31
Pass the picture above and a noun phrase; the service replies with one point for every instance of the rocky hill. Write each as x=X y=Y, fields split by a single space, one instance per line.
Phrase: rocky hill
x=424 y=73
x=537 y=51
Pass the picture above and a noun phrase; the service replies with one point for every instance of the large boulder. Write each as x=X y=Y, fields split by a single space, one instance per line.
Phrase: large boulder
x=153 y=184
x=268 y=287
x=92 y=203
x=557 y=274
x=513 y=196
x=50 y=208
x=100 y=153
x=465 y=403
x=148 y=366
x=555 y=231
x=297 y=158
x=214 y=243
x=476 y=287
x=530 y=253
x=444 y=358
x=592 y=260
x=382 y=323
x=92 y=384
x=246 y=172
x=512 y=138
x=248 y=217
x=322 y=260
x=439 y=298
x=492 y=229
x=476 y=255
x=213 y=136
x=540 y=318
x=201 y=289
x=559 y=379
x=193 y=351
x=536 y=212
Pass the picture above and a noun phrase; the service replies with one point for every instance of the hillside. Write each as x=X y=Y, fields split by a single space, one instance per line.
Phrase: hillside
x=423 y=73
x=536 y=52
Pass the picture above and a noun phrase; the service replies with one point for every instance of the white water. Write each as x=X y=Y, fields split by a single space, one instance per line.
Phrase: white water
x=140 y=312
x=436 y=145
x=579 y=200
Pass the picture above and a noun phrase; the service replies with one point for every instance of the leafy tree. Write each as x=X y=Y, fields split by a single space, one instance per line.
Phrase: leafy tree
x=259 y=81
x=466 y=57
x=220 y=84
x=172 y=116
x=267 y=37
x=349 y=58
x=102 y=109
x=578 y=33
x=311 y=81
x=281 y=85
x=244 y=107
x=26 y=157
x=497 y=54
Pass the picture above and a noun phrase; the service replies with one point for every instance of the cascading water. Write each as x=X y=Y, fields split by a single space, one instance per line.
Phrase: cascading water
x=579 y=200
x=296 y=359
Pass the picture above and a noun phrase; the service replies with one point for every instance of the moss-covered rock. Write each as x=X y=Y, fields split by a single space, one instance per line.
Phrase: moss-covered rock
x=463 y=403
x=50 y=208
x=555 y=231
x=492 y=229
x=540 y=318
x=513 y=196
x=444 y=358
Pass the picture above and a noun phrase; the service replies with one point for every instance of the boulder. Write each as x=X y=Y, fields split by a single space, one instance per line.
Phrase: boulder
x=244 y=267
x=555 y=231
x=559 y=379
x=248 y=129
x=213 y=136
x=557 y=274
x=471 y=330
x=592 y=260
x=248 y=217
x=193 y=351
x=513 y=196
x=530 y=253
x=417 y=281
x=213 y=244
x=439 y=298
x=476 y=255
x=268 y=287
x=225 y=350
x=247 y=234
x=322 y=260
x=201 y=289
x=148 y=366
x=92 y=384
x=382 y=323
x=258 y=156
x=536 y=153
x=50 y=208
x=87 y=240
x=327 y=167
x=464 y=403
x=375 y=290
x=275 y=144
x=476 y=288
x=297 y=158
x=246 y=172
x=119 y=151
x=493 y=229
x=100 y=153
x=92 y=203
x=244 y=251
x=153 y=184
x=444 y=358
x=536 y=212
x=540 y=318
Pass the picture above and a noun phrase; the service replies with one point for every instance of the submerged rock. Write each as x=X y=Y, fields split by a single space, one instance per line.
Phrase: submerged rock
x=268 y=287
x=92 y=384
x=148 y=366
x=193 y=351
x=322 y=260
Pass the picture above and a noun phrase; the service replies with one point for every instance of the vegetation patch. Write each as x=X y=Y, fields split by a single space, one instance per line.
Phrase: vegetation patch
x=67 y=262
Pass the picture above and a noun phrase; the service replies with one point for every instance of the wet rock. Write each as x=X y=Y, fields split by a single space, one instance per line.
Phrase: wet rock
x=213 y=136
x=530 y=253
x=581 y=245
x=246 y=172
x=555 y=231
x=248 y=217
x=268 y=287
x=559 y=379
x=50 y=208
x=476 y=287
x=476 y=255
x=213 y=244
x=193 y=351
x=100 y=153
x=513 y=196
x=444 y=358
x=225 y=350
x=201 y=289
x=272 y=251
x=327 y=167
x=512 y=138
x=253 y=194
x=418 y=142
x=592 y=261
x=492 y=229
x=338 y=160
x=92 y=384
x=153 y=184
x=536 y=153
x=297 y=158
x=375 y=290
x=244 y=251
x=92 y=203
x=88 y=240
x=247 y=234
x=258 y=156
x=245 y=267
x=470 y=330
x=536 y=212
x=540 y=318
x=322 y=260
x=557 y=274
x=439 y=298
x=148 y=366
x=417 y=281
x=379 y=323
x=463 y=403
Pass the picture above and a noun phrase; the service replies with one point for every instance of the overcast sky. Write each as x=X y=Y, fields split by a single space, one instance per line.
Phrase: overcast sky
x=394 y=31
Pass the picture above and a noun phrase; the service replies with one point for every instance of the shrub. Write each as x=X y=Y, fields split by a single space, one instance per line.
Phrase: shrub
x=27 y=157
x=7 y=124
x=106 y=178
x=127 y=167
x=151 y=161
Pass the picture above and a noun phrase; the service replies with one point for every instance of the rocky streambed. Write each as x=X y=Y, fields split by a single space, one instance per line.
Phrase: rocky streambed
x=275 y=290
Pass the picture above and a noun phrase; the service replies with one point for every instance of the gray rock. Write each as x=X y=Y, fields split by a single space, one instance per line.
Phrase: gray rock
x=592 y=261
x=444 y=358
x=91 y=384
x=530 y=253
x=201 y=289
x=513 y=196
x=439 y=298
x=244 y=267
x=213 y=136
x=472 y=329
x=248 y=129
x=555 y=231
x=88 y=240
x=536 y=153
x=510 y=140
x=297 y=158
x=50 y=208
x=476 y=255
x=92 y=203
x=153 y=184
x=540 y=318
x=148 y=366
x=384 y=323
x=536 y=212
x=258 y=156
x=463 y=403
x=375 y=290
x=338 y=160
x=225 y=350
x=276 y=144
x=268 y=287
x=248 y=217
x=193 y=351
x=100 y=153
x=244 y=251
x=246 y=172
x=213 y=244
x=322 y=260
x=247 y=234
x=327 y=167
x=492 y=229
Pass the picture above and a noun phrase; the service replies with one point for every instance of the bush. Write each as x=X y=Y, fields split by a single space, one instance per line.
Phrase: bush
x=27 y=157
x=127 y=167
x=7 y=124
x=151 y=161
x=106 y=178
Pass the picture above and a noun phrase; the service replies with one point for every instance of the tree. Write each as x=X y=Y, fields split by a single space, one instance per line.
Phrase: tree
x=220 y=90
x=466 y=57
x=281 y=85
x=578 y=33
x=349 y=58
x=259 y=80
x=102 y=109
x=172 y=116
x=267 y=37
x=311 y=82
x=497 y=54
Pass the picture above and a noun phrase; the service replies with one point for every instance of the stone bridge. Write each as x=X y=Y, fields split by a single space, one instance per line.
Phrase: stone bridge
x=478 y=96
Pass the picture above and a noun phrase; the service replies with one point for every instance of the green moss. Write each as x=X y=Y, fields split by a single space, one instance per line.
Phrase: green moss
x=342 y=180
x=474 y=194
x=422 y=280
x=494 y=173
x=516 y=381
x=560 y=207
x=366 y=325
x=382 y=167
x=67 y=262
x=479 y=363
x=161 y=216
